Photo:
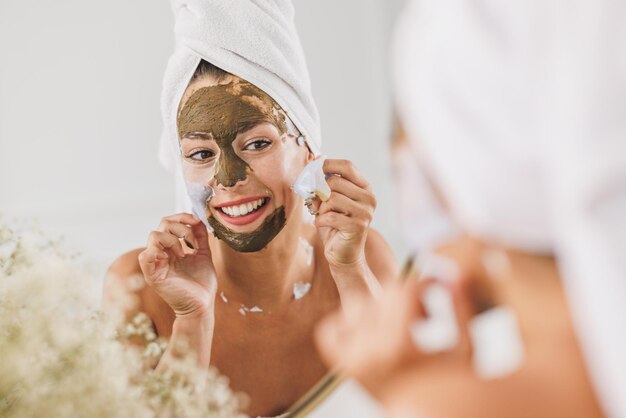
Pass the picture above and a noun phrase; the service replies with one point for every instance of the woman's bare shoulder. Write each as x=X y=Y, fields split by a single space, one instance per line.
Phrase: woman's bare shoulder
x=126 y=264
x=123 y=283
x=125 y=290
x=378 y=253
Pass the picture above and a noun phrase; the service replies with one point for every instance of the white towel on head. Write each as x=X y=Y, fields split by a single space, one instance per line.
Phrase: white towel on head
x=253 y=39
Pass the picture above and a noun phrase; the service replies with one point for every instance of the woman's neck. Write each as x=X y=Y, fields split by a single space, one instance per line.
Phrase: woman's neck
x=264 y=278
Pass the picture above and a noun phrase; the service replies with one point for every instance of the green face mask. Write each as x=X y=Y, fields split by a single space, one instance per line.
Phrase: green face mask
x=223 y=111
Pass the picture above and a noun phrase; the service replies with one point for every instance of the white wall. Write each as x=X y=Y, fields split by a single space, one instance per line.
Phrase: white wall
x=347 y=44
x=79 y=118
x=80 y=122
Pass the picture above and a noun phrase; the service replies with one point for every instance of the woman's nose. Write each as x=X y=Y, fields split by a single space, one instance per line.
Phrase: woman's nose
x=226 y=179
x=230 y=170
x=228 y=185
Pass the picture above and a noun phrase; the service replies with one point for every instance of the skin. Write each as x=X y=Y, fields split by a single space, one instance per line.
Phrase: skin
x=270 y=355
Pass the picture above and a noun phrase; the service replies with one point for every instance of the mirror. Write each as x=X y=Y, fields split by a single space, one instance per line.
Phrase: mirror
x=79 y=130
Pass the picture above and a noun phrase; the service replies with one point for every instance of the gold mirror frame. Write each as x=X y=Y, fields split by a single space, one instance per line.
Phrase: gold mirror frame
x=315 y=396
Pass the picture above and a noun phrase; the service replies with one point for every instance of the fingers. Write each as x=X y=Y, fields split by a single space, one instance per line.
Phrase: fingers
x=181 y=232
x=346 y=170
x=166 y=242
x=342 y=213
x=454 y=310
x=328 y=337
x=399 y=308
x=353 y=191
x=414 y=294
x=370 y=341
x=350 y=195
x=464 y=312
x=343 y=204
x=351 y=199
x=180 y=226
x=184 y=218
x=202 y=238
x=340 y=222
x=150 y=261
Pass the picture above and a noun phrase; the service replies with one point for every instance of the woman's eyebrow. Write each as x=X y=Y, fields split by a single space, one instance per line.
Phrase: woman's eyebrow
x=246 y=126
x=197 y=135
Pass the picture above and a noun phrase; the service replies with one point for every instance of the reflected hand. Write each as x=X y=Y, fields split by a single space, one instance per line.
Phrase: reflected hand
x=184 y=279
x=372 y=343
x=343 y=220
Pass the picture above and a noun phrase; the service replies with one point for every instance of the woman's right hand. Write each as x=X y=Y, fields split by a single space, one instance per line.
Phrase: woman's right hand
x=184 y=279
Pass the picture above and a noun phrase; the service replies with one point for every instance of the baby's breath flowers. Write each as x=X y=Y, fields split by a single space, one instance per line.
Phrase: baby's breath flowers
x=61 y=357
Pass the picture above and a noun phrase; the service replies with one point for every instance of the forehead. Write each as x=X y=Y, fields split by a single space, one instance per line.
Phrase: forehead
x=225 y=106
x=235 y=86
x=204 y=81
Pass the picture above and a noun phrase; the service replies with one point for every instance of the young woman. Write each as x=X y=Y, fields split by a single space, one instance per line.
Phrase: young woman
x=247 y=296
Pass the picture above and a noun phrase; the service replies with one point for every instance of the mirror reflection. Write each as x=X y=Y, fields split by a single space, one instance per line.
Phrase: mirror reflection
x=246 y=279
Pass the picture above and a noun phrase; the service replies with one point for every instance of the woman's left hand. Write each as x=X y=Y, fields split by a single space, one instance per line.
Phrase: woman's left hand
x=343 y=220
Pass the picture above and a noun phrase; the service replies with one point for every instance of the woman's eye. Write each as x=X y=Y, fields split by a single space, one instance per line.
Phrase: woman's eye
x=201 y=155
x=256 y=145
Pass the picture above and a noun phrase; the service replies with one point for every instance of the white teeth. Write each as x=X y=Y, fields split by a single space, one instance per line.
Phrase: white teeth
x=244 y=209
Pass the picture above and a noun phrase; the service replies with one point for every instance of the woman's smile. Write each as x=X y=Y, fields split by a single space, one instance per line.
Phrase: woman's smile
x=243 y=211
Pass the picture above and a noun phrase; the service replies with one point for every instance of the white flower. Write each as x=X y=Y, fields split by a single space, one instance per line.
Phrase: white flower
x=60 y=357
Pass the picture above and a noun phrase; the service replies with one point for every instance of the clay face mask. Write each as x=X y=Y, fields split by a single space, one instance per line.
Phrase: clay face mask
x=221 y=112
x=253 y=241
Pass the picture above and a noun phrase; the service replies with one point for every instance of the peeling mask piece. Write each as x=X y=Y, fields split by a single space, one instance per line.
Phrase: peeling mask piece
x=311 y=182
x=439 y=331
x=308 y=248
x=200 y=195
x=243 y=309
x=300 y=289
x=251 y=241
x=497 y=344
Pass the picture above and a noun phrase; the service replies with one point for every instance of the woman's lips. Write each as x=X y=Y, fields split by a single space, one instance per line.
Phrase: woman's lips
x=239 y=201
x=244 y=219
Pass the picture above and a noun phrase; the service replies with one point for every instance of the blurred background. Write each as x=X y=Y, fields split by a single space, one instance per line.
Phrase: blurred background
x=80 y=120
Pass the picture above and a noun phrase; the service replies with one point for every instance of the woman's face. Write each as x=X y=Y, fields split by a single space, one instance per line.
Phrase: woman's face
x=235 y=139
